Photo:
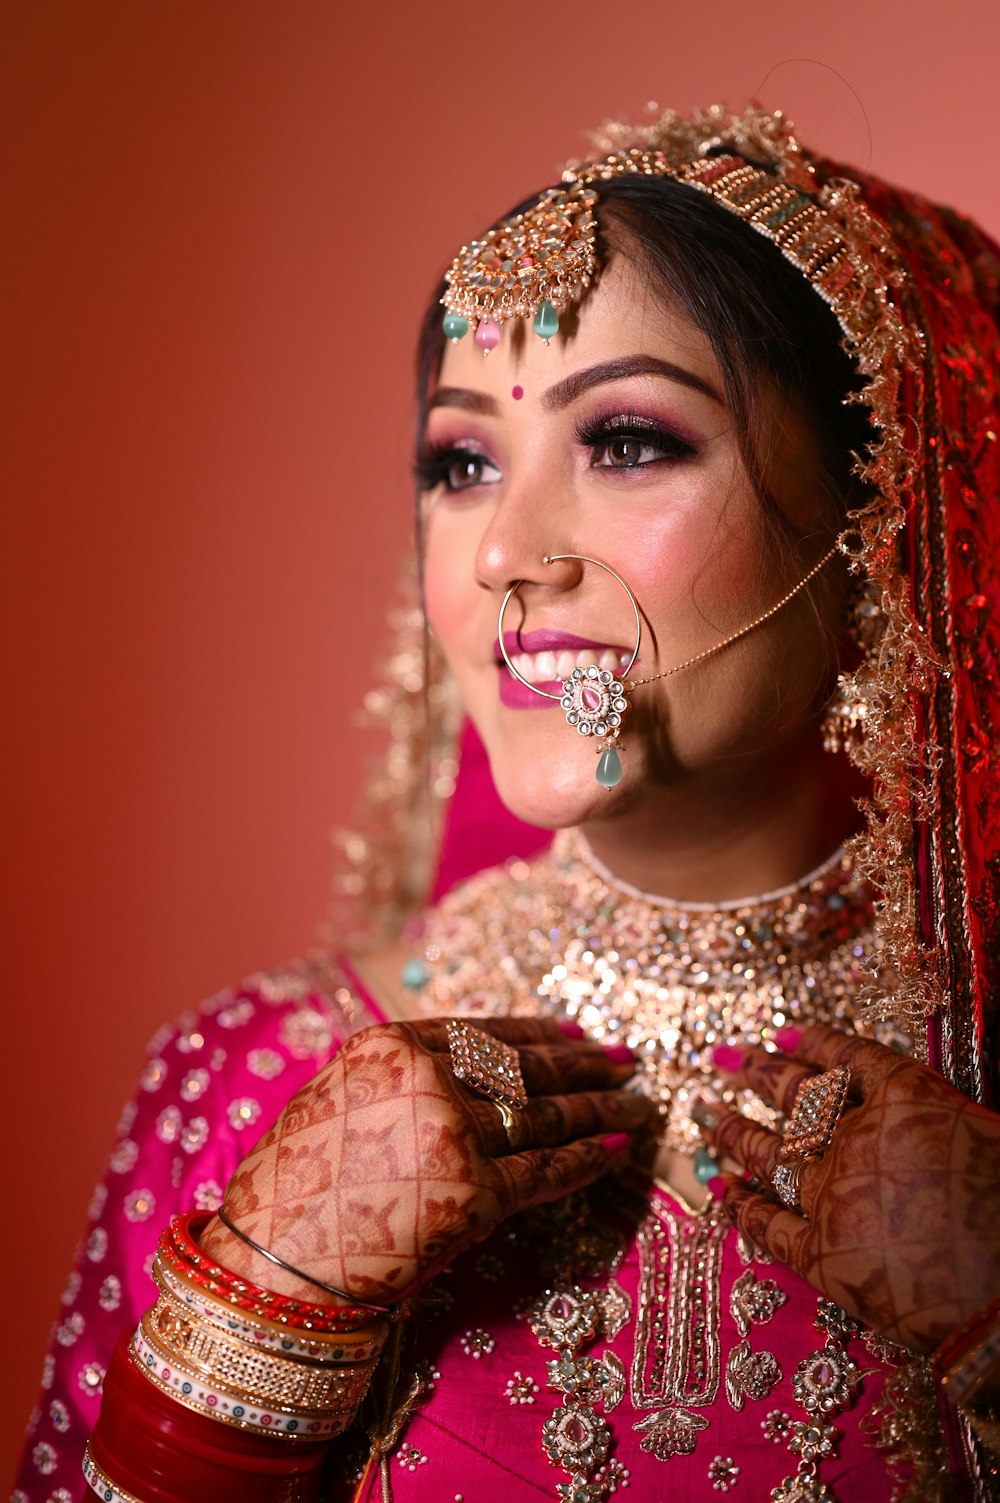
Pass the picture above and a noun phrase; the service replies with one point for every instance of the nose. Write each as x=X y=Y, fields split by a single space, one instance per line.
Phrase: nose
x=524 y=529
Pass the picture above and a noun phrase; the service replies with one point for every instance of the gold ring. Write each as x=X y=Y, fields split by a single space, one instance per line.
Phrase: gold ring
x=785 y=1180
x=814 y=1117
x=513 y=1123
x=486 y=1065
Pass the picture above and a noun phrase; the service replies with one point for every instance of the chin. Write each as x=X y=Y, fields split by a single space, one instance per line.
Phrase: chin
x=557 y=788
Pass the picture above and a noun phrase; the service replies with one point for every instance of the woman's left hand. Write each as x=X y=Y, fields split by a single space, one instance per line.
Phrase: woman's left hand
x=898 y=1220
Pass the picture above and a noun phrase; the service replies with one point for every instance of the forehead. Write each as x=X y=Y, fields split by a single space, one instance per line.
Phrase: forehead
x=619 y=317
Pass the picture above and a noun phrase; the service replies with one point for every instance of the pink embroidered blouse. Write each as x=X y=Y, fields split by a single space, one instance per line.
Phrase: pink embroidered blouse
x=702 y=1358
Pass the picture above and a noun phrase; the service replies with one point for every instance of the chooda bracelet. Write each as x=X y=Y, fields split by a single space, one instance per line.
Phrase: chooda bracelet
x=179 y=1251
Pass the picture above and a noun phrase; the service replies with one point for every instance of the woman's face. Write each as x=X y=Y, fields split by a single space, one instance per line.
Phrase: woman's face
x=615 y=441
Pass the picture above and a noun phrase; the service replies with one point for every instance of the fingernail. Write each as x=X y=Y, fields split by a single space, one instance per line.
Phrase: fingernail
x=728 y=1057
x=616 y=1142
x=621 y=1054
x=717 y=1185
x=788 y=1039
x=571 y=1030
x=703 y=1114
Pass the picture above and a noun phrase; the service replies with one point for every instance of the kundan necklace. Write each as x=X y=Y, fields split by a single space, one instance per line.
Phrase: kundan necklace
x=561 y=936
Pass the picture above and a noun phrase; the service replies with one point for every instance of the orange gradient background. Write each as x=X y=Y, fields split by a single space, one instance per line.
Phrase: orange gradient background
x=221 y=221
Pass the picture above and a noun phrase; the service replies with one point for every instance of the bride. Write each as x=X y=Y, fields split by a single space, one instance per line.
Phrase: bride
x=567 y=1186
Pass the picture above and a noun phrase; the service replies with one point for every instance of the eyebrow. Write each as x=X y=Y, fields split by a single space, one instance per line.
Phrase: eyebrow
x=459 y=396
x=565 y=392
x=573 y=387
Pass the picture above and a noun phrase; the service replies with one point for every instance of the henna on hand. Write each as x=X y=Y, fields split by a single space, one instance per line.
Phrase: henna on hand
x=900 y=1216
x=386 y=1166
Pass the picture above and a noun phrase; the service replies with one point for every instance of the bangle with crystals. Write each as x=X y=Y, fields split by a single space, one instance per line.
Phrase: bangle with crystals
x=181 y=1350
x=149 y=1447
x=344 y=1346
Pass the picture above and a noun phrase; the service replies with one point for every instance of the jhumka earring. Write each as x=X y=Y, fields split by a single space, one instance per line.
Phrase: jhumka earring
x=595 y=699
x=843 y=726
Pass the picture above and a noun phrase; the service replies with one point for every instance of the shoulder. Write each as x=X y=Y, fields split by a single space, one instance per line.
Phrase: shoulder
x=296 y=1014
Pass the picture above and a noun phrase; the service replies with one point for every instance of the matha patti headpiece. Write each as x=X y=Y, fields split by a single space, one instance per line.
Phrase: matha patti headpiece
x=536 y=264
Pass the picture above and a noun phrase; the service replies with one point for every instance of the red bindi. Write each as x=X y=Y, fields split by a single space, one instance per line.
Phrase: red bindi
x=517 y=393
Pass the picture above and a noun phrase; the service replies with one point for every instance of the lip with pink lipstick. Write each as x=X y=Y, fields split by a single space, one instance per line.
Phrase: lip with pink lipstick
x=546 y=657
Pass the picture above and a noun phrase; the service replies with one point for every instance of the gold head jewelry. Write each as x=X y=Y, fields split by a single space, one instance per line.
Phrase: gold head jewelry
x=537 y=263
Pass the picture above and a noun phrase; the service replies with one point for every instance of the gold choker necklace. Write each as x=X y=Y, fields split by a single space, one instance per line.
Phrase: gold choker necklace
x=562 y=937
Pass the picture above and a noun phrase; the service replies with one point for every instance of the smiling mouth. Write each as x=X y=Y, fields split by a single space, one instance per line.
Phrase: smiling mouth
x=550 y=666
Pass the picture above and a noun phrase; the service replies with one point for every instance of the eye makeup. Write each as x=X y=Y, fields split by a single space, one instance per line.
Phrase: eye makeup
x=625 y=437
x=455 y=466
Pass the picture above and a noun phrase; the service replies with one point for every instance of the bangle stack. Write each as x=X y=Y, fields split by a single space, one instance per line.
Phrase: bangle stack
x=968 y=1364
x=267 y=1367
x=179 y=1250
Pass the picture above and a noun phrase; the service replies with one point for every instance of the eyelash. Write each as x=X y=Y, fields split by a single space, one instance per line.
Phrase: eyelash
x=600 y=433
x=437 y=460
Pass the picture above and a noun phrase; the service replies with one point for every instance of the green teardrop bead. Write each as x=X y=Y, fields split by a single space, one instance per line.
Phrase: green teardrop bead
x=414 y=975
x=609 y=769
x=705 y=1166
x=546 y=321
x=454 y=326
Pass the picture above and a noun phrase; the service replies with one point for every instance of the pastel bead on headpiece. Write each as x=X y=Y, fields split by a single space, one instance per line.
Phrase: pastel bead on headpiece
x=536 y=264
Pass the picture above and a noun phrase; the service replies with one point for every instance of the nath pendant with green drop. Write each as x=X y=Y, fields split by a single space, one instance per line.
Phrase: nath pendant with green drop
x=609 y=768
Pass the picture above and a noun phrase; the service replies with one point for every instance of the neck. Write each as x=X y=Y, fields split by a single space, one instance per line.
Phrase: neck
x=733 y=835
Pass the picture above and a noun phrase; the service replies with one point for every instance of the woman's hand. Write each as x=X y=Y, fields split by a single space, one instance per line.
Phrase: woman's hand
x=386 y=1166
x=899 y=1218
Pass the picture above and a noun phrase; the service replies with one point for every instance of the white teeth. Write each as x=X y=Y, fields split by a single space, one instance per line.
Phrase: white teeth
x=548 y=667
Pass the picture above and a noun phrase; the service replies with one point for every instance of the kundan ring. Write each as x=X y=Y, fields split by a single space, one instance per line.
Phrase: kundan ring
x=785 y=1180
x=492 y=1069
x=812 y=1122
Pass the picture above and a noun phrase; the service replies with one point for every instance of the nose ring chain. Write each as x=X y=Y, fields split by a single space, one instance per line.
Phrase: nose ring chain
x=595 y=699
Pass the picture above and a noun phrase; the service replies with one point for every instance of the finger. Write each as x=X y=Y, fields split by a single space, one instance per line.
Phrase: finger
x=774 y=1076
x=551 y=1069
x=870 y=1063
x=551 y=1063
x=550 y=1120
x=778 y=1231
x=731 y=1135
x=543 y=1174
x=433 y=1032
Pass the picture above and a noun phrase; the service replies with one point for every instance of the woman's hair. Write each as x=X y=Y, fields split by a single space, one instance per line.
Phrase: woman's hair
x=768 y=328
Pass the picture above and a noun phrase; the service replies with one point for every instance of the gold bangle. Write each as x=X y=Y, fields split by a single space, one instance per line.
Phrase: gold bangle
x=215 y=1403
x=362 y=1345
x=253 y=1372
x=101 y=1483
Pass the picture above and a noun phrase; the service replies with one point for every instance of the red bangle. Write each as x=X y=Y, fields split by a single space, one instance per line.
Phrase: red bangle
x=179 y=1249
x=148 y=1445
x=970 y=1334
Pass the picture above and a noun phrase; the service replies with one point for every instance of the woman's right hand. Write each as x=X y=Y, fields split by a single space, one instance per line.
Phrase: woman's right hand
x=386 y=1166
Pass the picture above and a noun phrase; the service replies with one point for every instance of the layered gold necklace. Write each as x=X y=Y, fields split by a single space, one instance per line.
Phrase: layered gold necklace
x=562 y=937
